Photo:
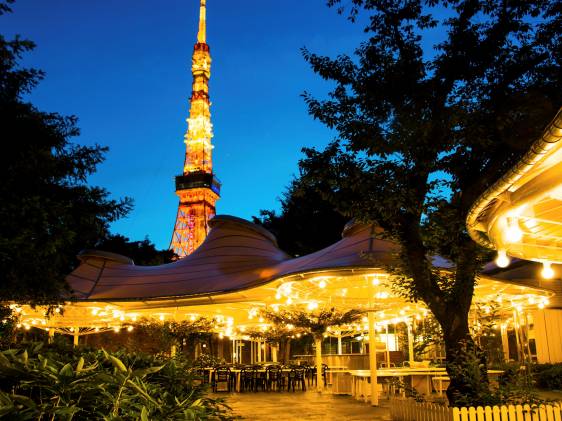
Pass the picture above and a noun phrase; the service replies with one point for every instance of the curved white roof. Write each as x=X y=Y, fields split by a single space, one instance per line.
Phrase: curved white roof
x=236 y=255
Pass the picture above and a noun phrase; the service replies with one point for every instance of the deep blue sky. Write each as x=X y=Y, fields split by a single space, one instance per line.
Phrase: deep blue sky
x=123 y=67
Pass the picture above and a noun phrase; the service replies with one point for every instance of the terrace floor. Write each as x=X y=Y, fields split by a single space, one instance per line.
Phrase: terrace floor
x=309 y=405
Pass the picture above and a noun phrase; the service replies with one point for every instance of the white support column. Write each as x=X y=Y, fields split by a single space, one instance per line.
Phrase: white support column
x=252 y=359
x=410 y=341
x=505 y=341
x=51 y=336
x=173 y=350
x=274 y=353
x=259 y=352
x=339 y=344
x=75 y=337
x=373 y=360
x=319 y=381
x=387 y=348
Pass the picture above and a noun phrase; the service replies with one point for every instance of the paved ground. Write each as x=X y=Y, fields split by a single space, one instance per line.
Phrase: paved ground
x=309 y=405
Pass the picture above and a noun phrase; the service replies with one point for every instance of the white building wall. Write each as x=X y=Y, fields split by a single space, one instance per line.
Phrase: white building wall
x=548 y=335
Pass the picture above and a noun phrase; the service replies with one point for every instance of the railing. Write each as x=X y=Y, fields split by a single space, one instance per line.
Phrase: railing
x=409 y=410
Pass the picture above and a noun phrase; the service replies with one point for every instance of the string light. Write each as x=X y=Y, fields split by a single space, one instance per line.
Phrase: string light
x=547 y=272
x=322 y=284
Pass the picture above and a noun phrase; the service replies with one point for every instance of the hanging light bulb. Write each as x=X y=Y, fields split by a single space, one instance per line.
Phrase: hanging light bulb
x=513 y=233
x=502 y=260
x=322 y=284
x=547 y=272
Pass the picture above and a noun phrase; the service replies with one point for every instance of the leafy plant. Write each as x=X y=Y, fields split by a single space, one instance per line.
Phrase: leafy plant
x=42 y=384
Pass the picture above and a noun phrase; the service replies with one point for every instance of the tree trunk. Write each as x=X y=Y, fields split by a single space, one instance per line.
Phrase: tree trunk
x=466 y=364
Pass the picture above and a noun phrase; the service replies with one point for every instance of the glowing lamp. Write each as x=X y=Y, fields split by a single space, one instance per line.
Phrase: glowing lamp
x=502 y=260
x=547 y=272
x=322 y=284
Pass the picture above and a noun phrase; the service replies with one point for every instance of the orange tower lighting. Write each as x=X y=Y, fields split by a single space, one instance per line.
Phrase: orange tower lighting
x=197 y=188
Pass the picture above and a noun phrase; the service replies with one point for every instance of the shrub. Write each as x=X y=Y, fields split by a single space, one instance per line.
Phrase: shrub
x=41 y=383
x=548 y=376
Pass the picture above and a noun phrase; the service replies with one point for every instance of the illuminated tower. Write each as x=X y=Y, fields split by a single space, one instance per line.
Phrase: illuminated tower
x=197 y=188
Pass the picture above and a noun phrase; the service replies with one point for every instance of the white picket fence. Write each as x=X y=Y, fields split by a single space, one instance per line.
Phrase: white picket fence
x=409 y=410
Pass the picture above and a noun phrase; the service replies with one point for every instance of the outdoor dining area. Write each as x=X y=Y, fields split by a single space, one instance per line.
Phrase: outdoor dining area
x=261 y=312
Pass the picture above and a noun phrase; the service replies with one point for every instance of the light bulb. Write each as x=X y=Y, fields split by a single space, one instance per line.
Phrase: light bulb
x=547 y=272
x=322 y=284
x=502 y=260
x=513 y=233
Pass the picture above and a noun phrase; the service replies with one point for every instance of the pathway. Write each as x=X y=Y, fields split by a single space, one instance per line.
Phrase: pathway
x=309 y=405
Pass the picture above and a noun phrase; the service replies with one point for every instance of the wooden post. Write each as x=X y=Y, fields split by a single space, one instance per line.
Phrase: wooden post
x=373 y=359
x=75 y=337
x=51 y=336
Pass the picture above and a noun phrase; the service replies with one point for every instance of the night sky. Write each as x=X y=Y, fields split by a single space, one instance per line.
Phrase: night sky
x=123 y=68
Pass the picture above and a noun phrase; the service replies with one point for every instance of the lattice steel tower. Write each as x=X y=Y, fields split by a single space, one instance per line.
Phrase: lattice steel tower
x=197 y=188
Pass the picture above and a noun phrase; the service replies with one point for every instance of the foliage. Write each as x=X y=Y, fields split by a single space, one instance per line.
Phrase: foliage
x=143 y=252
x=39 y=384
x=548 y=376
x=316 y=322
x=307 y=222
x=8 y=322
x=425 y=124
x=486 y=331
x=208 y=360
x=165 y=334
x=48 y=213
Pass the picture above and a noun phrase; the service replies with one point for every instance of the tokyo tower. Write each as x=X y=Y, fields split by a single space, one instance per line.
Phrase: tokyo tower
x=198 y=188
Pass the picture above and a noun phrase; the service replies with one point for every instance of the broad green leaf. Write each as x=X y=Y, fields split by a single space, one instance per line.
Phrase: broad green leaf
x=80 y=364
x=117 y=363
x=66 y=370
x=144 y=414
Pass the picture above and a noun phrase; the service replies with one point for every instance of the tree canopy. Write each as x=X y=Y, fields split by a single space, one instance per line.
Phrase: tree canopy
x=425 y=124
x=48 y=212
x=307 y=222
x=143 y=252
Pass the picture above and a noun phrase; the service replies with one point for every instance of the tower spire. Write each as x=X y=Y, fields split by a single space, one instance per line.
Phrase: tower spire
x=197 y=188
x=202 y=34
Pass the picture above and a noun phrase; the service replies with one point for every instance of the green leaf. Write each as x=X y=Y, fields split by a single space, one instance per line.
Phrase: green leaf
x=80 y=365
x=24 y=400
x=144 y=414
x=66 y=370
x=145 y=371
x=117 y=363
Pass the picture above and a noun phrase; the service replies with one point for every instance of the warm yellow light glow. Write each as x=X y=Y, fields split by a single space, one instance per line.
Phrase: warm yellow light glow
x=502 y=260
x=130 y=329
x=289 y=301
x=95 y=311
x=161 y=317
x=376 y=281
x=513 y=233
x=547 y=272
x=322 y=284
x=116 y=329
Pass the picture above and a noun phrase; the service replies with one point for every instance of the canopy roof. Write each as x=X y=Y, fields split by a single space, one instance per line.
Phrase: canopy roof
x=239 y=270
x=521 y=213
x=235 y=256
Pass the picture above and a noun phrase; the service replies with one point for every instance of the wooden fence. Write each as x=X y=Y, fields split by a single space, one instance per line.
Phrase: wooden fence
x=409 y=410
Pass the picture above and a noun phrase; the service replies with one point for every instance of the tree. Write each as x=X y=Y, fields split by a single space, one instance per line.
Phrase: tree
x=425 y=126
x=316 y=323
x=307 y=222
x=48 y=213
x=142 y=252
